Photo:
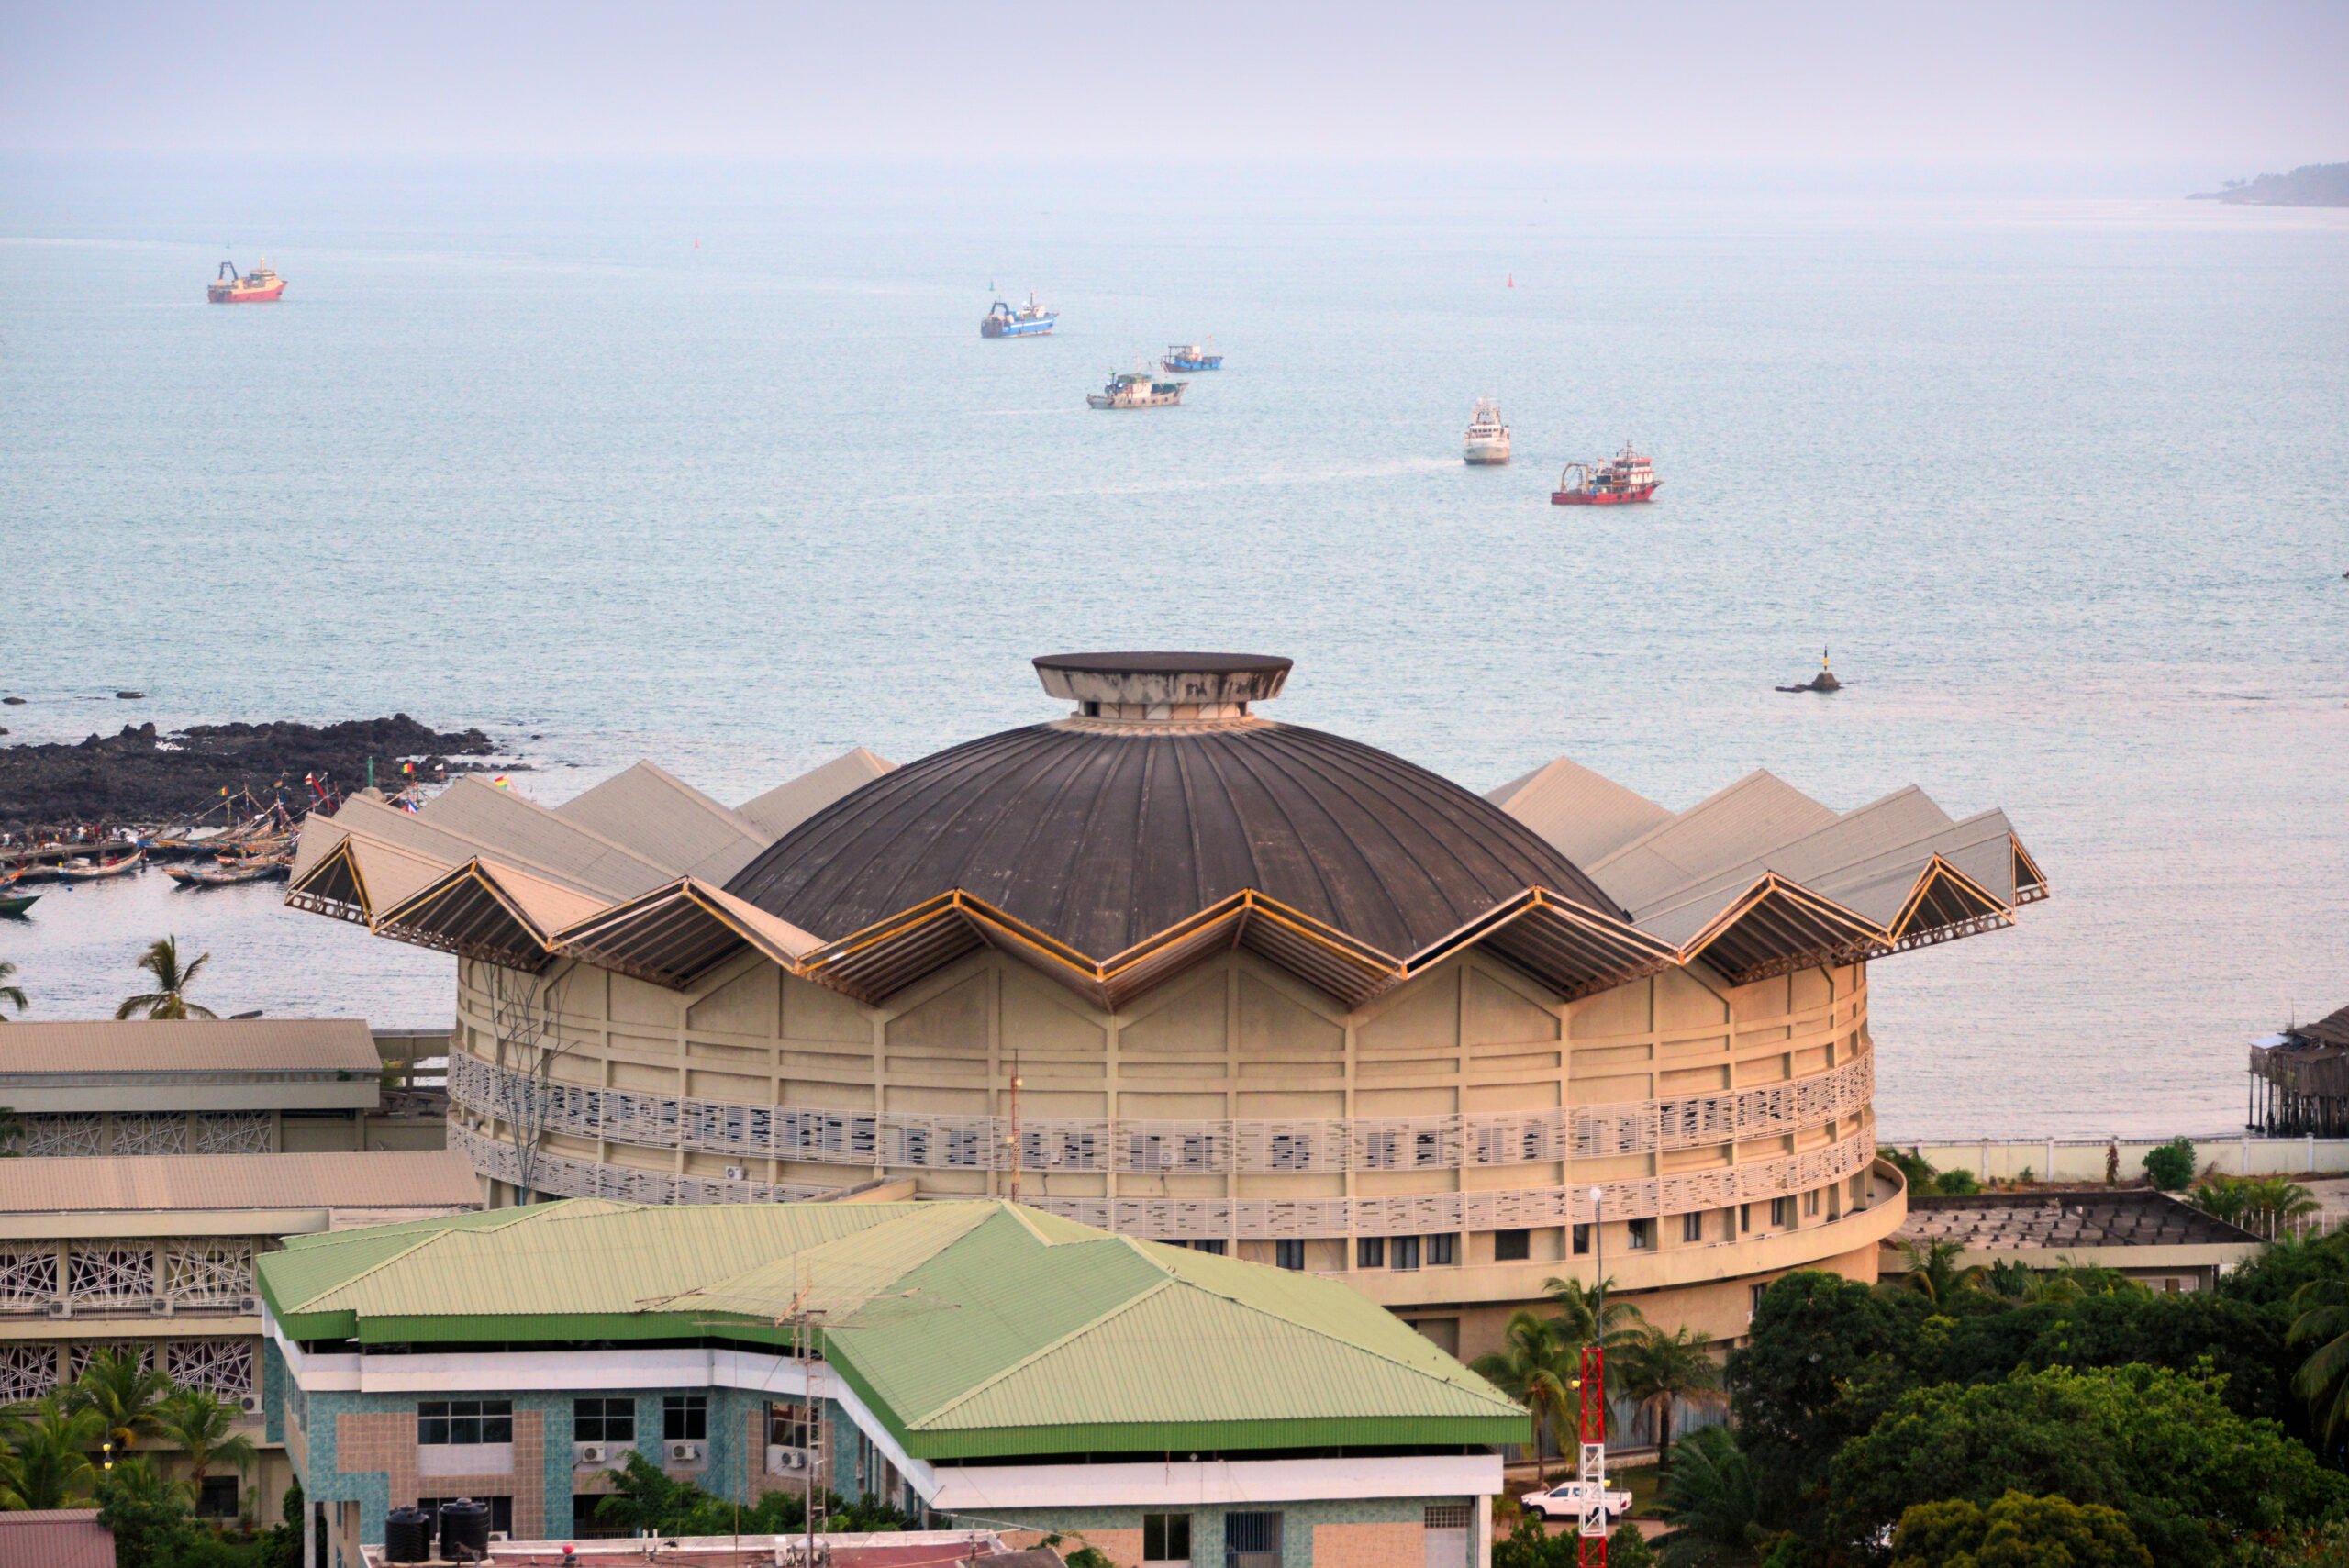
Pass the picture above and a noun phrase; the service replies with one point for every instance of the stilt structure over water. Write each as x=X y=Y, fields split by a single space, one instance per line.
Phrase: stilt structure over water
x=2299 y=1080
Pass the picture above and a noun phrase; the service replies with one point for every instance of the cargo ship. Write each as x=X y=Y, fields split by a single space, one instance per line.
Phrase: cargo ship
x=1192 y=357
x=255 y=287
x=1487 y=437
x=1030 y=320
x=1627 y=476
x=1136 y=389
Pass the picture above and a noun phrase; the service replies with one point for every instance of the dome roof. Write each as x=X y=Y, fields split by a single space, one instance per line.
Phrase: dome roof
x=1104 y=831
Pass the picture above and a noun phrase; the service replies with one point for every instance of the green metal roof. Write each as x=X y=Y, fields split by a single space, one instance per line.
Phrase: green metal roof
x=970 y=1328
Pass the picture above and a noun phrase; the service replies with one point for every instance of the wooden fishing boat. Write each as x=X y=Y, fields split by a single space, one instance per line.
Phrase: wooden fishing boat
x=226 y=872
x=69 y=871
x=250 y=849
x=20 y=904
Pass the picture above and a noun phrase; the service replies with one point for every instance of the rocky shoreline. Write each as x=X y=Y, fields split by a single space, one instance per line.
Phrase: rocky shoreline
x=142 y=777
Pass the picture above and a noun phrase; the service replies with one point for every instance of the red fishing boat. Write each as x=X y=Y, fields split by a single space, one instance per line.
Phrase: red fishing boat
x=1627 y=476
x=255 y=287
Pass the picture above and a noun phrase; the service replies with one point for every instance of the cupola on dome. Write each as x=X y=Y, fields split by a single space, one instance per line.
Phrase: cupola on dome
x=1161 y=796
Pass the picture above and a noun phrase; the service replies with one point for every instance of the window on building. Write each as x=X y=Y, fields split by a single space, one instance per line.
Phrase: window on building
x=1642 y=1233
x=1512 y=1246
x=1692 y=1227
x=1753 y=1300
x=1251 y=1540
x=1442 y=1249
x=1744 y=1217
x=1218 y=1246
x=603 y=1420
x=1370 y=1252
x=1811 y=1202
x=217 y=1500
x=1782 y=1213
x=1285 y=1255
x=1582 y=1240
x=788 y=1425
x=1404 y=1250
x=501 y=1513
x=1166 y=1538
x=464 y=1421
x=684 y=1416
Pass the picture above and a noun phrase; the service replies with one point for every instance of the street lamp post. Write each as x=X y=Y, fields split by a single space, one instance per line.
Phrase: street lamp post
x=1592 y=1547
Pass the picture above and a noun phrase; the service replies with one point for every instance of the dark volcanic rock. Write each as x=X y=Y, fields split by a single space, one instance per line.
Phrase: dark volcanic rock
x=135 y=776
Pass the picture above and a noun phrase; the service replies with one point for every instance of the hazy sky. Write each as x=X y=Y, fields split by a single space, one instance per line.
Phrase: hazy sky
x=2234 y=87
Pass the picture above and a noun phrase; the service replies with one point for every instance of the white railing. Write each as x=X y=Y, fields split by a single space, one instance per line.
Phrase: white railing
x=922 y=1141
x=1246 y=1219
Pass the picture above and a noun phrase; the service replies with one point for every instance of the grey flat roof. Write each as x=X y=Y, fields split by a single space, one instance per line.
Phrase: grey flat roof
x=2055 y=1222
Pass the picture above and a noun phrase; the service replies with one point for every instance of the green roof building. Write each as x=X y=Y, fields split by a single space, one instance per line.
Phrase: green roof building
x=982 y=1362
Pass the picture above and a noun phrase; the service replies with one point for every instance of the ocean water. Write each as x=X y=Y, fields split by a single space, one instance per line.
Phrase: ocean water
x=710 y=465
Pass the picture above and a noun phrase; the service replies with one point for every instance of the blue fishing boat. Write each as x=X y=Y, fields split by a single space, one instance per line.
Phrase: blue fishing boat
x=1192 y=357
x=1030 y=320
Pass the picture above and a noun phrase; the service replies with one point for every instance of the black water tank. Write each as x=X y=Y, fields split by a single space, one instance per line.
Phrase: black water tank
x=407 y=1536
x=464 y=1530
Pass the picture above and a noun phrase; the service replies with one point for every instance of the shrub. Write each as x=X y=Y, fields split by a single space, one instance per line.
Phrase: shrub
x=1956 y=1183
x=2017 y=1528
x=1914 y=1168
x=2171 y=1166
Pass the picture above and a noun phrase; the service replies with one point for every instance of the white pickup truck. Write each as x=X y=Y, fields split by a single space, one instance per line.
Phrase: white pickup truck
x=1564 y=1501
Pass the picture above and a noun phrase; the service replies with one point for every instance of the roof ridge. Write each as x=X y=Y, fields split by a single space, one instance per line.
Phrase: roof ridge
x=1166 y=1281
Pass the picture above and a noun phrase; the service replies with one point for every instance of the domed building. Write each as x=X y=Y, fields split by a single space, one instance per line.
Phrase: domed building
x=1171 y=968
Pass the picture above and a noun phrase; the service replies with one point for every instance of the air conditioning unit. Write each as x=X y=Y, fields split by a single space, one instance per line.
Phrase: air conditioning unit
x=781 y=1458
x=248 y=1404
x=734 y=1173
x=60 y=1309
x=160 y=1306
x=590 y=1453
x=248 y=1307
x=684 y=1453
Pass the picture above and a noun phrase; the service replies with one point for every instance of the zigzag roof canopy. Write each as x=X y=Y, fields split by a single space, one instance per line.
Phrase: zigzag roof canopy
x=1162 y=822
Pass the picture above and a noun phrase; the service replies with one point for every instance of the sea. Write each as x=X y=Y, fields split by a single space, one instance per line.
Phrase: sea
x=708 y=464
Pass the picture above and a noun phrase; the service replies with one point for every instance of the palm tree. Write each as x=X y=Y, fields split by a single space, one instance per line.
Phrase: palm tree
x=1533 y=1367
x=1660 y=1368
x=124 y=1392
x=205 y=1425
x=48 y=1461
x=2322 y=1305
x=11 y=994
x=1933 y=1272
x=1578 y=1305
x=1712 y=1499
x=169 y=999
x=136 y=1481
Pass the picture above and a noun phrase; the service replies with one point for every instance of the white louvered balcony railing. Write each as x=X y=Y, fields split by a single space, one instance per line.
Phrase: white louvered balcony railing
x=1184 y=1219
x=897 y=1139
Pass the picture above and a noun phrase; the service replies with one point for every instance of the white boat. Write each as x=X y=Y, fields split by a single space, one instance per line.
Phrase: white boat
x=1487 y=437
x=1136 y=389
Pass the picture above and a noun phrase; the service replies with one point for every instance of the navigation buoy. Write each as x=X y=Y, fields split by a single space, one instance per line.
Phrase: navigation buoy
x=1824 y=681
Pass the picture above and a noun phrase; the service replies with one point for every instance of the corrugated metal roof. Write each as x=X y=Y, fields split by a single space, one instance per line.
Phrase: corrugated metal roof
x=669 y=822
x=189 y=1045
x=522 y=833
x=55 y=1538
x=971 y=1327
x=437 y=1178
x=1757 y=813
x=1850 y=848
x=787 y=805
x=1586 y=815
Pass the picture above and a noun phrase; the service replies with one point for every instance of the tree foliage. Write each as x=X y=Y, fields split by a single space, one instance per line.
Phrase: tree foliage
x=172 y=979
x=2171 y=1165
x=2160 y=1447
x=2017 y=1531
x=644 y=1497
x=1712 y=1499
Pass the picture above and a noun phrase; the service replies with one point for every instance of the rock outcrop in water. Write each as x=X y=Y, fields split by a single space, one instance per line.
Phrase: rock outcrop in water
x=138 y=775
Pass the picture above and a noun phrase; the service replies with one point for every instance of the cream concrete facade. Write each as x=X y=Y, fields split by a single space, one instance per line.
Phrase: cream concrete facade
x=1468 y=1110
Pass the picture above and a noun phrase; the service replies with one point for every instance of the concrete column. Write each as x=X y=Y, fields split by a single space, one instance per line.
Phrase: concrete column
x=1480 y=1540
